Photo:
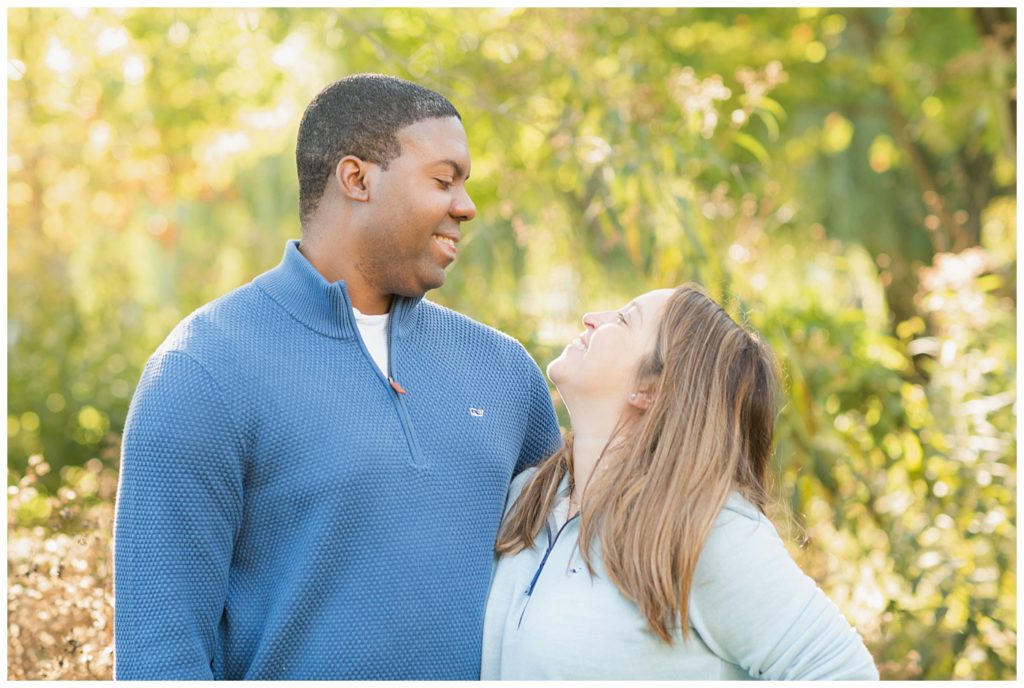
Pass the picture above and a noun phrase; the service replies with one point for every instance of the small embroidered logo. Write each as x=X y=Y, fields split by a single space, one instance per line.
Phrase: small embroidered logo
x=476 y=413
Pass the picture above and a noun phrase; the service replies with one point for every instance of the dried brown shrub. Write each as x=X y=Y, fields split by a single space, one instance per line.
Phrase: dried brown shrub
x=59 y=582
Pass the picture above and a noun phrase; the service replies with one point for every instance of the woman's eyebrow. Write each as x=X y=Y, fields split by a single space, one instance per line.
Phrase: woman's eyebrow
x=639 y=310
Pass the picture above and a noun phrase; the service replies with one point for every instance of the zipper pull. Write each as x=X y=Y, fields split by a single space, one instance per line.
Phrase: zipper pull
x=397 y=387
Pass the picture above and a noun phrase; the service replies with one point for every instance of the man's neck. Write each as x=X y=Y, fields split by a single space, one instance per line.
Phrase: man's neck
x=364 y=297
x=368 y=304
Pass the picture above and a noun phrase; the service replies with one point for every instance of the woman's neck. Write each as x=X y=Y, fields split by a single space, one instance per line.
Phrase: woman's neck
x=593 y=423
x=587 y=451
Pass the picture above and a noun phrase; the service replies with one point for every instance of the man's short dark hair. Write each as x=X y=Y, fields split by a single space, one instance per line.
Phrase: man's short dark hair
x=359 y=115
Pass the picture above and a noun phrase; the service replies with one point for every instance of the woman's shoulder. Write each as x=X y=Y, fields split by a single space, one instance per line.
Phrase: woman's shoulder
x=741 y=552
x=740 y=522
x=754 y=607
x=520 y=480
x=518 y=484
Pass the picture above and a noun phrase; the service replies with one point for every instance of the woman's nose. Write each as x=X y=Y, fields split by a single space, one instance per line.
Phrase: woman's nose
x=591 y=320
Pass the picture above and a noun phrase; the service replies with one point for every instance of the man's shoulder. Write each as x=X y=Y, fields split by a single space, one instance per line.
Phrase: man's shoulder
x=213 y=327
x=472 y=332
x=445 y=316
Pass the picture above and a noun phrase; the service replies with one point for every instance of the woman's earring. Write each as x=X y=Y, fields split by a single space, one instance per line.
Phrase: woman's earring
x=641 y=400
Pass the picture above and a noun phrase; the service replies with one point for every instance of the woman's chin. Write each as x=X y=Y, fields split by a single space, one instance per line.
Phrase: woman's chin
x=555 y=370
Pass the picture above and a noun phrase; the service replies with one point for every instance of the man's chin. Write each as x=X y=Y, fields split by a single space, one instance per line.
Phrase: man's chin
x=418 y=289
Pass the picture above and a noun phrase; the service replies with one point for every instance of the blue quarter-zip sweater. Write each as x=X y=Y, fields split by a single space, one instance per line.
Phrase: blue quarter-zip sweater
x=286 y=513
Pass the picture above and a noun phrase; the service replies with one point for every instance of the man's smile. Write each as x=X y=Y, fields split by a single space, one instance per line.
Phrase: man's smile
x=447 y=244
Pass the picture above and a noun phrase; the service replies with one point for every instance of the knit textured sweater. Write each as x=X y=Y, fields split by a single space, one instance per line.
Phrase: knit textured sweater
x=284 y=512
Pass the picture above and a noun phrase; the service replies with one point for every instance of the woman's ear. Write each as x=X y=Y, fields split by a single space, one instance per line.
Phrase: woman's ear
x=641 y=399
x=350 y=176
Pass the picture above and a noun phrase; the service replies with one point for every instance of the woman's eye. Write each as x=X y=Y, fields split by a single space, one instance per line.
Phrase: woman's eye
x=445 y=184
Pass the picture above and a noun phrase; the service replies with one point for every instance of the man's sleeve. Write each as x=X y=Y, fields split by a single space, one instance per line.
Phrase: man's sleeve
x=543 y=436
x=179 y=507
x=753 y=606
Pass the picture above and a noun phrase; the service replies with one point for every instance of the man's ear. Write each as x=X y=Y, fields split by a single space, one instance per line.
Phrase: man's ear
x=350 y=176
x=641 y=399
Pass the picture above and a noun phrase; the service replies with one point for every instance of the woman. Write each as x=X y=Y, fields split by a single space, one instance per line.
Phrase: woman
x=641 y=550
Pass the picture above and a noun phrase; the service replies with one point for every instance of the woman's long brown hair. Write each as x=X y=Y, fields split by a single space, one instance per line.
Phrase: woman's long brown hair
x=667 y=473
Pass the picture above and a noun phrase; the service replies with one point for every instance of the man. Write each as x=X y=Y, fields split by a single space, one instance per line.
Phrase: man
x=315 y=465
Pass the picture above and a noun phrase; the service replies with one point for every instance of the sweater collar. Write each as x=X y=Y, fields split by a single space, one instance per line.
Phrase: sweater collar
x=324 y=306
x=560 y=508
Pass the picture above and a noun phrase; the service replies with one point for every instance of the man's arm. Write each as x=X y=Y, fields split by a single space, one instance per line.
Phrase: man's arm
x=179 y=507
x=543 y=436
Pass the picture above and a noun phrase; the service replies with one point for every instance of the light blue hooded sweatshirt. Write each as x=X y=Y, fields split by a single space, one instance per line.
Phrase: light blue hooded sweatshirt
x=753 y=613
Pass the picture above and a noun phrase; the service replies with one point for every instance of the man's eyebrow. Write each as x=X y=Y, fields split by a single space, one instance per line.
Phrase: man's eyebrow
x=459 y=172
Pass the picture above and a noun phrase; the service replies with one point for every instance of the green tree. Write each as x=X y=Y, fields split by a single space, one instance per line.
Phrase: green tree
x=844 y=179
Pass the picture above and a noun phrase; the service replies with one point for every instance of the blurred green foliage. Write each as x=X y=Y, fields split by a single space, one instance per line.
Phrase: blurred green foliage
x=842 y=179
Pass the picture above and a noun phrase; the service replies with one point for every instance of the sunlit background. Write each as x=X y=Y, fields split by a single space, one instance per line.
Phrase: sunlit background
x=844 y=180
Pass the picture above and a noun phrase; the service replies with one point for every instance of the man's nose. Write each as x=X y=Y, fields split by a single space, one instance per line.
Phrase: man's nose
x=463 y=208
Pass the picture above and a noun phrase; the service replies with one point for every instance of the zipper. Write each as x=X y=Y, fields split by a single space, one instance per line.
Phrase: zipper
x=388 y=379
x=400 y=393
x=544 y=560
